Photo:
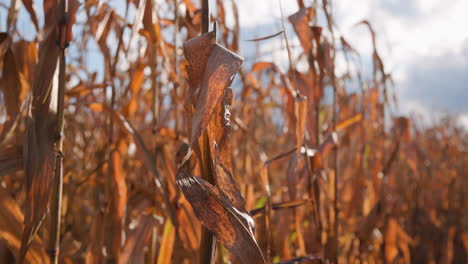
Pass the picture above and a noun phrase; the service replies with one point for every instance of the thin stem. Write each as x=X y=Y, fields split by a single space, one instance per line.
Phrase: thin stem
x=288 y=49
x=326 y=4
x=208 y=243
x=176 y=62
x=205 y=16
x=153 y=54
x=113 y=88
x=54 y=239
x=268 y=220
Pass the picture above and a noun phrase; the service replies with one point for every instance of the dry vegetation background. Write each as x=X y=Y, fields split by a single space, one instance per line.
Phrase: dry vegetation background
x=157 y=143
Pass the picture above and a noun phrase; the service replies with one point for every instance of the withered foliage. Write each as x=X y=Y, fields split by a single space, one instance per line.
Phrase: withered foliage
x=175 y=151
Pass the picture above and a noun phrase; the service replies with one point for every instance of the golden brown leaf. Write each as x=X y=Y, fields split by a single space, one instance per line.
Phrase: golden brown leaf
x=232 y=227
x=138 y=237
x=11 y=220
x=11 y=159
x=11 y=84
x=218 y=75
x=39 y=144
x=167 y=243
x=197 y=52
x=300 y=21
x=300 y=113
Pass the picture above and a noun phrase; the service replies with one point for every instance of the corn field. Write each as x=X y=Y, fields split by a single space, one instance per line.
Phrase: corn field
x=175 y=150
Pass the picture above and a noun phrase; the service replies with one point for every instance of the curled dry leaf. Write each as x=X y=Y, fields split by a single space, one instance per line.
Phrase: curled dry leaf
x=219 y=130
x=220 y=69
x=232 y=226
x=196 y=52
x=218 y=205
x=225 y=181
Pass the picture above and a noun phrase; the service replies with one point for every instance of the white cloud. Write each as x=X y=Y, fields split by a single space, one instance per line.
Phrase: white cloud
x=463 y=121
x=255 y=12
x=411 y=36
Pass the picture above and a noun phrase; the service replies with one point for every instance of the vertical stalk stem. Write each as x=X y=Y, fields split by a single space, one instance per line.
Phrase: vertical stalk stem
x=207 y=243
x=176 y=62
x=56 y=204
x=327 y=7
x=205 y=16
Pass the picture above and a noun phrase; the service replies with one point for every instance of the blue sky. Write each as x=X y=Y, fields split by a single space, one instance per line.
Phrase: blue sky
x=423 y=43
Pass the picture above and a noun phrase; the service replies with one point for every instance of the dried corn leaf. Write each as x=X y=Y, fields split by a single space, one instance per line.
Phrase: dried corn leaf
x=259 y=66
x=225 y=181
x=11 y=159
x=218 y=75
x=94 y=252
x=118 y=202
x=125 y=125
x=300 y=21
x=197 y=52
x=167 y=243
x=11 y=83
x=39 y=146
x=348 y=122
x=11 y=220
x=300 y=113
x=213 y=208
x=403 y=128
x=26 y=58
x=266 y=37
x=278 y=206
x=138 y=237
